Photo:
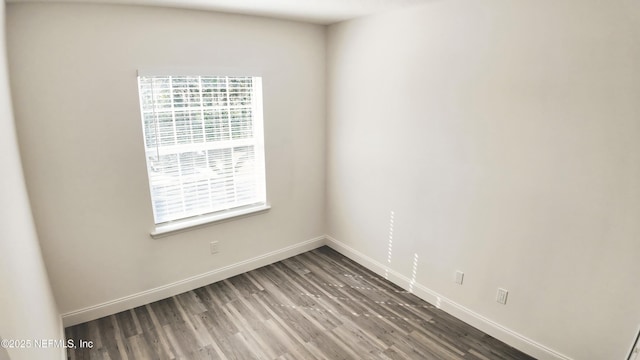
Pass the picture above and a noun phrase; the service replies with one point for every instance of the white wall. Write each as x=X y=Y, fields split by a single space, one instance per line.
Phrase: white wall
x=505 y=137
x=73 y=75
x=3 y=354
x=493 y=130
x=27 y=307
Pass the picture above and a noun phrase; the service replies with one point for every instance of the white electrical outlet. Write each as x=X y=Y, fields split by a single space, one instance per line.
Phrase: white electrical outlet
x=214 y=247
x=459 y=277
x=501 y=297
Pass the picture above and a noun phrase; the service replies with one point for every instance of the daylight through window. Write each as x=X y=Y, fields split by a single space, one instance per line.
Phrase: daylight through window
x=203 y=140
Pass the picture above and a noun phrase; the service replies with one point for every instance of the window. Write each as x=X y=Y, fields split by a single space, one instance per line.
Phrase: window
x=203 y=141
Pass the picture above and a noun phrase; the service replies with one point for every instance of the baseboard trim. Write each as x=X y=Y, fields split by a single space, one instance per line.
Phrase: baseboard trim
x=472 y=318
x=162 y=292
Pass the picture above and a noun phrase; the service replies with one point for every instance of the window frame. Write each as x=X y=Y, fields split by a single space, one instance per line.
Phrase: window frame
x=170 y=227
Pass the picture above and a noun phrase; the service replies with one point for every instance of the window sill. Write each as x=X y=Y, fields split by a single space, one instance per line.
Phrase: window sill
x=178 y=226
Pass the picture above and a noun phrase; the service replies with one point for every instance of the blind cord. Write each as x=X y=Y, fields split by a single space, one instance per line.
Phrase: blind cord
x=155 y=119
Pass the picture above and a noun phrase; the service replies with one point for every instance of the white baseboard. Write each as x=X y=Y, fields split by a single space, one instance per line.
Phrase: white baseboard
x=194 y=282
x=490 y=327
x=470 y=317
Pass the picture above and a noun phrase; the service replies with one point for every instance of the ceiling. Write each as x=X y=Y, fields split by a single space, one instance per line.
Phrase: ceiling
x=315 y=11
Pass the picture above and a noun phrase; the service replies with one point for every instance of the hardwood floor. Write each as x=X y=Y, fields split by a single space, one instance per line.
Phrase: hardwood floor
x=317 y=305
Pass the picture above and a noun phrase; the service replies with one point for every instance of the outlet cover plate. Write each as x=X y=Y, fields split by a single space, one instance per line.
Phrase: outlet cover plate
x=501 y=296
x=459 y=277
x=214 y=247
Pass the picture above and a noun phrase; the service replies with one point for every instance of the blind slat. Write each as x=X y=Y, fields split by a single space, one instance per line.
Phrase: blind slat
x=203 y=143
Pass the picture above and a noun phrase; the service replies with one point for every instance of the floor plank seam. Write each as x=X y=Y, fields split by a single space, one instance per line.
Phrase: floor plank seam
x=316 y=305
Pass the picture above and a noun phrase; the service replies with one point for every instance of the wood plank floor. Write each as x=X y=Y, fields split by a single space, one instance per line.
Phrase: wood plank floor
x=317 y=305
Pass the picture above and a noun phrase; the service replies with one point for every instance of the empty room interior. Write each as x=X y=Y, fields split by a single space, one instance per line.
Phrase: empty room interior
x=286 y=179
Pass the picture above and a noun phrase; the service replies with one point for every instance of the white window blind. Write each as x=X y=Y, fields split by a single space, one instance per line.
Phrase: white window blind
x=203 y=140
